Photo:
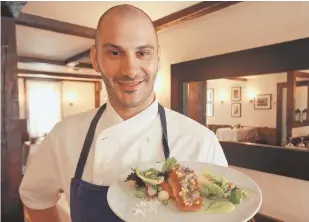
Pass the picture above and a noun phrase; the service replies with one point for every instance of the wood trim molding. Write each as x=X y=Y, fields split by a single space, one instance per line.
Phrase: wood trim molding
x=280 y=87
x=268 y=159
x=302 y=74
x=97 y=90
x=279 y=123
x=276 y=58
x=35 y=72
x=25 y=59
x=197 y=93
x=298 y=83
x=11 y=155
x=237 y=79
x=84 y=65
x=77 y=57
x=56 y=80
x=192 y=12
x=53 y=25
x=291 y=86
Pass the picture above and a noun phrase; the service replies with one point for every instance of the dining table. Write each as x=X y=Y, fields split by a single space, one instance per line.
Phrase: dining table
x=233 y=134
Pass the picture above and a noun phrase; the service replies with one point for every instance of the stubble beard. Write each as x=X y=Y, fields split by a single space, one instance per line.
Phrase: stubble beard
x=114 y=98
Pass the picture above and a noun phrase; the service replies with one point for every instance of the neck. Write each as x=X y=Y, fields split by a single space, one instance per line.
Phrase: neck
x=127 y=113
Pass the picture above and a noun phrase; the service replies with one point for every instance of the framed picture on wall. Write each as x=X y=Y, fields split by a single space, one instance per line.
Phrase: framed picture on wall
x=210 y=109
x=236 y=94
x=210 y=95
x=236 y=110
x=262 y=101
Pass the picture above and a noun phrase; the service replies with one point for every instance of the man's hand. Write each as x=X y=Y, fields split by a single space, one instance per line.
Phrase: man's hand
x=47 y=215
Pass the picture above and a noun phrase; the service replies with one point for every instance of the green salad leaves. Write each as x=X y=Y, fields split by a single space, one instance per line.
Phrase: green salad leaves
x=169 y=164
x=214 y=187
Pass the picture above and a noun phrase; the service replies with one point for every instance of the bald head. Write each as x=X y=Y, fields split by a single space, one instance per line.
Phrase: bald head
x=123 y=12
x=127 y=56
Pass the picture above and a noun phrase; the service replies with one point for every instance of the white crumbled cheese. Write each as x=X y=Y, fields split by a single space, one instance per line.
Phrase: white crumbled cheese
x=144 y=208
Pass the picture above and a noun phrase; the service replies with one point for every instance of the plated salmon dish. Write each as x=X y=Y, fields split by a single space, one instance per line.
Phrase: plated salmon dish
x=177 y=182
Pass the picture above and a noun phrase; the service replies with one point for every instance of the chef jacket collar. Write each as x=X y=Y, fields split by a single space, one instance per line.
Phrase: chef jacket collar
x=141 y=119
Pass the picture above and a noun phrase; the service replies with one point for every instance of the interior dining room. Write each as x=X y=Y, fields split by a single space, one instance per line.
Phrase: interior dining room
x=240 y=69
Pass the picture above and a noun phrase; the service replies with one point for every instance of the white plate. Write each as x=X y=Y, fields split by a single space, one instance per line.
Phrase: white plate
x=121 y=198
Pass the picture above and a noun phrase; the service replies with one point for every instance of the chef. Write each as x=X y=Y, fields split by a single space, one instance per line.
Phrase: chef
x=83 y=154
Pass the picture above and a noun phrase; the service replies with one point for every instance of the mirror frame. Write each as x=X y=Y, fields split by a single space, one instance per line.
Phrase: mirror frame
x=286 y=57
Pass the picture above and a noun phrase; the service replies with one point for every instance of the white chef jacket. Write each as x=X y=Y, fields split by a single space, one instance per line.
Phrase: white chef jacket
x=118 y=145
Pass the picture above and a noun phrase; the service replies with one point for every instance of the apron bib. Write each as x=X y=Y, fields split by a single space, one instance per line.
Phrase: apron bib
x=88 y=202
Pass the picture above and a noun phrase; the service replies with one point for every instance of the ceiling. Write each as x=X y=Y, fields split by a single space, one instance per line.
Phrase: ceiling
x=39 y=43
x=44 y=44
x=87 y=13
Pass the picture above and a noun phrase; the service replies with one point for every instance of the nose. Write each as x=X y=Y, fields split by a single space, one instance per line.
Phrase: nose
x=130 y=66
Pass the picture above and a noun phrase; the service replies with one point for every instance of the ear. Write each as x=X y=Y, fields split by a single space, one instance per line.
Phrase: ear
x=94 y=58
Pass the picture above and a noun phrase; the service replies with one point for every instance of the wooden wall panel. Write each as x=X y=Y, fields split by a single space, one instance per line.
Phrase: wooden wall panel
x=196 y=101
x=97 y=89
x=11 y=145
x=268 y=159
x=291 y=77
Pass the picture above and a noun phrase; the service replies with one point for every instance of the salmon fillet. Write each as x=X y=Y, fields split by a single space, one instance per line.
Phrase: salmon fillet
x=193 y=202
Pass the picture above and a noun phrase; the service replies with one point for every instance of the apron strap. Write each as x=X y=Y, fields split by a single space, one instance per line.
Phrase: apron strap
x=88 y=142
x=164 y=127
x=90 y=135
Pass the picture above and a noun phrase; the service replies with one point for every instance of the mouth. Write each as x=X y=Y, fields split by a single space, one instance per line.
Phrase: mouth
x=129 y=85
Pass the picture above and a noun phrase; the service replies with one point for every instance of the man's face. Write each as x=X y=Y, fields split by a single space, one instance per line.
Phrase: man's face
x=126 y=55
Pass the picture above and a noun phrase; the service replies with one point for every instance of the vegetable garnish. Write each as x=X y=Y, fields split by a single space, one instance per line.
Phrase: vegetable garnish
x=181 y=184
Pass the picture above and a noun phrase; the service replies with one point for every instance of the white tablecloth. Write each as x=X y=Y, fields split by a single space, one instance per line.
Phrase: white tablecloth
x=234 y=134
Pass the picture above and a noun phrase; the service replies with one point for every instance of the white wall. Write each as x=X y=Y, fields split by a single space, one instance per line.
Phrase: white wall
x=82 y=94
x=242 y=26
x=21 y=98
x=301 y=97
x=300 y=131
x=263 y=84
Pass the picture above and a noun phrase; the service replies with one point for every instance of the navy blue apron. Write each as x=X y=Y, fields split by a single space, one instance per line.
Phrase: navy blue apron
x=88 y=202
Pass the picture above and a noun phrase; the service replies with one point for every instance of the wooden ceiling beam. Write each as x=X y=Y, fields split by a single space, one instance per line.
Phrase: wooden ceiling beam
x=26 y=59
x=73 y=75
x=84 y=65
x=192 y=12
x=76 y=58
x=237 y=79
x=53 y=25
x=302 y=74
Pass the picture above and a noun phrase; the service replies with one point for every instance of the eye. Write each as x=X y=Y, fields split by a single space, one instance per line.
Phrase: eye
x=115 y=53
x=143 y=53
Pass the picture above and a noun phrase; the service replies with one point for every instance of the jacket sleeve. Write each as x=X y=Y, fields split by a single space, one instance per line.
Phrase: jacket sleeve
x=215 y=152
x=40 y=186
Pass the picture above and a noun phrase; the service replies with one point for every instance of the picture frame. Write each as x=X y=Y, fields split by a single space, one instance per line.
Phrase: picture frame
x=210 y=95
x=236 y=109
x=209 y=109
x=236 y=94
x=263 y=101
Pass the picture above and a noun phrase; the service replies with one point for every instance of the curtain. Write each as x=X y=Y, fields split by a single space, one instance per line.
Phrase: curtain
x=44 y=106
